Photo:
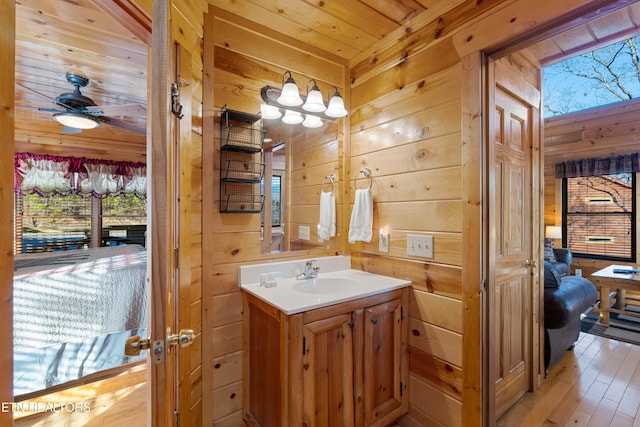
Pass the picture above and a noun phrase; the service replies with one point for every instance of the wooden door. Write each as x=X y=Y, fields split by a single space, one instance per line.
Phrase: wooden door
x=328 y=373
x=385 y=370
x=512 y=218
x=170 y=195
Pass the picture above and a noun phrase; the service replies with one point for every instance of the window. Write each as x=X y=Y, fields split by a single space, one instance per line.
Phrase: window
x=52 y=222
x=63 y=222
x=276 y=212
x=599 y=216
x=276 y=200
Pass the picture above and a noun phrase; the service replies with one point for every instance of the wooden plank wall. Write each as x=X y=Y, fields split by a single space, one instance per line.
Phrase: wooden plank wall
x=407 y=126
x=412 y=123
x=311 y=160
x=240 y=57
x=415 y=153
x=598 y=132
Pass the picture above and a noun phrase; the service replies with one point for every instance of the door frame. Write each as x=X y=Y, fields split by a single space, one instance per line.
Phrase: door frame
x=7 y=106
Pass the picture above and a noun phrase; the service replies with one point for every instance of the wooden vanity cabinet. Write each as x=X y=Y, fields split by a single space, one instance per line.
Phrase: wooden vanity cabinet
x=342 y=365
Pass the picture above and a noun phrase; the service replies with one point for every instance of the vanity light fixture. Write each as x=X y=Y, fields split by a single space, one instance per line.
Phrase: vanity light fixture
x=287 y=100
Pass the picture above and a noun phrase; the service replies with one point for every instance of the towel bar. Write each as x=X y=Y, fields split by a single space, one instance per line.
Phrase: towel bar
x=366 y=172
x=331 y=179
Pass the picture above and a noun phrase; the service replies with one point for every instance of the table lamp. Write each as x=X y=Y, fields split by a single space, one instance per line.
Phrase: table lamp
x=553 y=232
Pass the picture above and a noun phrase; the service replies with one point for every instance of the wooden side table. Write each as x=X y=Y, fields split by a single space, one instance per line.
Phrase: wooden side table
x=606 y=280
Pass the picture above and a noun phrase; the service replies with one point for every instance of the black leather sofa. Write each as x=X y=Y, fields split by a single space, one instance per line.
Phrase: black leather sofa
x=566 y=297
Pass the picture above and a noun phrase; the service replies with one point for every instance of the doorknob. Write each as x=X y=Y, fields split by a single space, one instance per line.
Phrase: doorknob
x=133 y=345
x=530 y=263
x=185 y=338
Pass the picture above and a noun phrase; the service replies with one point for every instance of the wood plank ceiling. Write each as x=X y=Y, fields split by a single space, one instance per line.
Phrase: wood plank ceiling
x=57 y=37
x=54 y=37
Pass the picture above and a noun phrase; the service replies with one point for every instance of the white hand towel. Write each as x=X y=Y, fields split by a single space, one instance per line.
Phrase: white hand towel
x=327 y=227
x=361 y=216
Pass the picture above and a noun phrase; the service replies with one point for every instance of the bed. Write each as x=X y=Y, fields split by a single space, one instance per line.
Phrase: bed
x=73 y=312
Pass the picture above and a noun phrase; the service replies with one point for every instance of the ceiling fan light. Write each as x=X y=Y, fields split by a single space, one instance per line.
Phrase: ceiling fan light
x=336 y=106
x=76 y=120
x=311 y=121
x=270 y=112
x=292 y=117
x=314 y=102
x=289 y=95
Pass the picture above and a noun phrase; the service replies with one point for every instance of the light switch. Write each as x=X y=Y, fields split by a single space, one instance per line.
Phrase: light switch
x=420 y=246
x=383 y=241
x=304 y=232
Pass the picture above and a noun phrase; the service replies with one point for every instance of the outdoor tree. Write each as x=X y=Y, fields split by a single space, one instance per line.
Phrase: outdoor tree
x=603 y=76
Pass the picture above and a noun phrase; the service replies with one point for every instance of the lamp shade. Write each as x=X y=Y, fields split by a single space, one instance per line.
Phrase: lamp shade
x=76 y=120
x=553 y=232
x=314 y=102
x=289 y=95
x=269 y=112
x=336 y=106
x=292 y=117
x=311 y=121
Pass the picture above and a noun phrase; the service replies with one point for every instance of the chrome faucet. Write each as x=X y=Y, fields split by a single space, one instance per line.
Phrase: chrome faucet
x=310 y=271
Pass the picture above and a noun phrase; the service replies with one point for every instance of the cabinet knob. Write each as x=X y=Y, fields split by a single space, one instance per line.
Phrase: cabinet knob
x=374 y=321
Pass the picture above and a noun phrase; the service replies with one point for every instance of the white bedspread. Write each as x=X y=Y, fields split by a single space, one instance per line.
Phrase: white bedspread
x=68 y=304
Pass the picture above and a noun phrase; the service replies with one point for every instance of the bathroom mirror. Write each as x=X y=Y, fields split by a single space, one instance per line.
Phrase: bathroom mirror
x=297 y=162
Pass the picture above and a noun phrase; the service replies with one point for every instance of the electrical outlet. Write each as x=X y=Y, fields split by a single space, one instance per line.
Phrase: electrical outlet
x=304 y=232
x=420 y=246
x=383 y=242
x=578 y=272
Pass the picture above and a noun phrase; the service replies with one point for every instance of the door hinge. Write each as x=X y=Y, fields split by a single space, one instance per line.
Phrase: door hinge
x=401 y=312
x=176 y=258
x=401 y=388
x=176 y=418
x=304 y=345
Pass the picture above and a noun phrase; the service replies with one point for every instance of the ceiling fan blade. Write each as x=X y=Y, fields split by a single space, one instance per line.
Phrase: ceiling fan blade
x=55 y=101
x=139 y=128
x=51 y=110
x=66 y=130
x=137 y=110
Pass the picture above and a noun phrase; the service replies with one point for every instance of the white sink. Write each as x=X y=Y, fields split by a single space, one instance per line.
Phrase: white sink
x=293 y=296
x=326 y=285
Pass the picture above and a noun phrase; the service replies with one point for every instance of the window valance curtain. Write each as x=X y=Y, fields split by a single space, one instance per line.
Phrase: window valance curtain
x=597 y=167
x=46 y=175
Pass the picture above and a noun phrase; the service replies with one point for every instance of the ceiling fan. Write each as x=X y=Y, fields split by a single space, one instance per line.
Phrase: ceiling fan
x=80 y=112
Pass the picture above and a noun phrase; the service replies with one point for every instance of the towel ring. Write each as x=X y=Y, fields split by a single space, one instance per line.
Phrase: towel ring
x=366 y=172
x=331 y=179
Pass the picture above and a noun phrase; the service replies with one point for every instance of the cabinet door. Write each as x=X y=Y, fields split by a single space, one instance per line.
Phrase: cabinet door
x=384 y=367
x=328 y=373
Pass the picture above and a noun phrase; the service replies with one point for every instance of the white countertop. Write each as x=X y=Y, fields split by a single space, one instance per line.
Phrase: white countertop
x=353 y=284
